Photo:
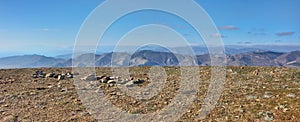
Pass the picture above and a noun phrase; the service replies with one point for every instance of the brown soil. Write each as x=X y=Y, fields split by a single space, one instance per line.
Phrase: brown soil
x=250 y=93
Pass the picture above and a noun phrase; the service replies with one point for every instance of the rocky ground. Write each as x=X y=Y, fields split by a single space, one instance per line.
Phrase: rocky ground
x=250 y=94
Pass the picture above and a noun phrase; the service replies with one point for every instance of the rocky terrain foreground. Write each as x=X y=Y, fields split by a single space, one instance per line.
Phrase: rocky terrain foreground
x=250 y=94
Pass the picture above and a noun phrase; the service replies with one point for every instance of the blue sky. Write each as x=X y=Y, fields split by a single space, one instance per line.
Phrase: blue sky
x=49 y=27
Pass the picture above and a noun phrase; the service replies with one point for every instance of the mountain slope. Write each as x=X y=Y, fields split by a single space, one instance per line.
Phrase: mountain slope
x=256 y=58
x=289 y=59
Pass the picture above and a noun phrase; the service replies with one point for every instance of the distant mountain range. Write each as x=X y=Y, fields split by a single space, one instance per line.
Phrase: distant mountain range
x=29 y=61
x=152 y=58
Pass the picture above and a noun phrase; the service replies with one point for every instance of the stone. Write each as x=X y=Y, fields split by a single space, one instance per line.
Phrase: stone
x=63 y=90
x=269 y=116
x=129 y=84
x=95 y=83
x=282 y=106
x=261 y=113
x=49 y=75
x=69 y=75
x=90 y=77
x=111 y=81
x=251 y=97
x=139 y=81
x=60 y=77
x=266 y=96
x=41 y=76
x=34 y=76
x=123 y=81
x=242 y=111
x=229 y=70
x=105 y=79
x=291 y=95
x=256 y=72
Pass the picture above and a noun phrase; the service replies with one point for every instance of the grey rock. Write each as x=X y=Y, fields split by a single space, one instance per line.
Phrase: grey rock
x=269 y=116
x=291 y=95
x=94 y=83
x=90 y=77
x=251 y=97
x=129 y=84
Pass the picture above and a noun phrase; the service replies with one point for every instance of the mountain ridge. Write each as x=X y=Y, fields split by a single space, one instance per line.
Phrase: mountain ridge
x=152 y=58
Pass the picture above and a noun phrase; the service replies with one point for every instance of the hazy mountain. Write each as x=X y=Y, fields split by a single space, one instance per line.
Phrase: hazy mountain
x=256 y=58
x=153 y=58
x=28 y=61
x=289 y=59
x=64 y=56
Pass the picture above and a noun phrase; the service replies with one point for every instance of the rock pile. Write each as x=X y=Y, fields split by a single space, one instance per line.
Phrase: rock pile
x=102 y=79
x=38 y=74
x=41 y=74
x=113 y=80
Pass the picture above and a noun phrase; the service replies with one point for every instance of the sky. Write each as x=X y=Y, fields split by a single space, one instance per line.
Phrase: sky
x=50 y=27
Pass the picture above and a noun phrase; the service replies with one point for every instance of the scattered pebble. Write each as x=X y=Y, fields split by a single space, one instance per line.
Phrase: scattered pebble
x=251 y=97
x=269 y=116
x=229 y=70
x=281 y=106
x=291 y=95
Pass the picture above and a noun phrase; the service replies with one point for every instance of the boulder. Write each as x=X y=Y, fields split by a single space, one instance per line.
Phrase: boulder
x=50 y=75
x=69 y=75
x=60 y=77
x=90 y=77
